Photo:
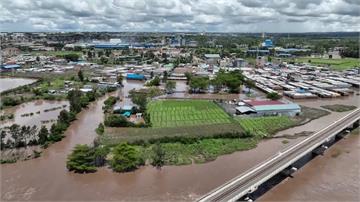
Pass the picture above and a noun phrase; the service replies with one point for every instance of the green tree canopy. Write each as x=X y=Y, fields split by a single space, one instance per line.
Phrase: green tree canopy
x=158 y=158
x=43 y=135
x=81 y=159
x=170 y=86
x=273 y=96
x=126 y=158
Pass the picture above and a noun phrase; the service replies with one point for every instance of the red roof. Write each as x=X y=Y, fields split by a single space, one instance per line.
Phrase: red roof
x=262 y=102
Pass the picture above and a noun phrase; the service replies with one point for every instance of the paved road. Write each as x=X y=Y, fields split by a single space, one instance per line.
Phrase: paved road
x=242 y=184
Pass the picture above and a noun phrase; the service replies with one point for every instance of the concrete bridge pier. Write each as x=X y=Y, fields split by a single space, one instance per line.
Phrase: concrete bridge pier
x=320 y=150
x=289 y=171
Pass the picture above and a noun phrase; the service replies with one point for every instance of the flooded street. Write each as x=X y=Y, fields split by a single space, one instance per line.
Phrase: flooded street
x=46 y=178
x=9 y=83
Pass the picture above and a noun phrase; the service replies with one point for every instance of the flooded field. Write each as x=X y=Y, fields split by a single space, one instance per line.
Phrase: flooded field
x=38 y=112
x=10 y=83
x=30 y=180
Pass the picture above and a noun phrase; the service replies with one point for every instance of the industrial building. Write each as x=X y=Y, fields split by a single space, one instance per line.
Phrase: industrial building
x=267 y=108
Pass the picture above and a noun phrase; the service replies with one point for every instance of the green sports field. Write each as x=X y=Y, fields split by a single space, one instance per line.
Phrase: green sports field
x=177 y=113
x=335 y=64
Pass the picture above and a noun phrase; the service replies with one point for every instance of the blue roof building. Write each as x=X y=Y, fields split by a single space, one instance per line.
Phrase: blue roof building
x=135 y=76
x=267 y=43
x=10 y=67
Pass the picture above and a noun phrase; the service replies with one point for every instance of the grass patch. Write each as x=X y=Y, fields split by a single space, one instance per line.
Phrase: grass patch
x=201 y=151
x=116 y=135
x=285 y=141
x=265 y=126
x=339 y=107
x=176 y=113
x=54 y=53
x=335 y=64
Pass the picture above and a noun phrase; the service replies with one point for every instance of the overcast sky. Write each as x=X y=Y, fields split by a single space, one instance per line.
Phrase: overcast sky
x=180 y=15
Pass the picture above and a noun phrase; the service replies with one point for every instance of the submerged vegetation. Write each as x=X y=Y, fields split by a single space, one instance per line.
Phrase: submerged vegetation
x=16 y=136
x=339 y=107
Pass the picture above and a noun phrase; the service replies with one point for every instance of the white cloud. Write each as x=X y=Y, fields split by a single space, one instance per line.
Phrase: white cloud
x=180 y=15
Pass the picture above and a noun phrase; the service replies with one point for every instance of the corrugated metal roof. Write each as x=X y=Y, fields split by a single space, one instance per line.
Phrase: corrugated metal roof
x=244 y=109
x=262 y=102
x=135 y=76
x=277 y=107
x=212 y=55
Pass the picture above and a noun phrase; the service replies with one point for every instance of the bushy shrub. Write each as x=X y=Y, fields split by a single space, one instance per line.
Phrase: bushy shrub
x=113 y=120
x=9 y=101
x=126 y=158
x=81 y=159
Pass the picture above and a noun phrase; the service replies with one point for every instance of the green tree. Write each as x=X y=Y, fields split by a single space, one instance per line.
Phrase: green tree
x=64 y=116
x=114 y=120
x=273 y=96
x=249 y=84
x=100 y=129
x=89 y=54
x=199 y=84
x=81 y=159
x=154 y=82
x=57 y=130
x=103 y=60
x=165 y=76
x=71 y=57
x=170 y=86
x=126 y=158
x=74 y=97
x=43 y=135
x=80 y=75
x=139 y=99
x=100 y=155
x=188 y=76
x=158 y=158
x=120 y=79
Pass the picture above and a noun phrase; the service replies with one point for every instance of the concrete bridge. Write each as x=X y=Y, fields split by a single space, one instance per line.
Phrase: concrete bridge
x=249 y=181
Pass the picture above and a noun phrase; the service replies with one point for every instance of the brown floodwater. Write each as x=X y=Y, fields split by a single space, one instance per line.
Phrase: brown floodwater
x=46 y=178
x=332 y=177
x=9 y=83
x=44 y=113
x=129 y=85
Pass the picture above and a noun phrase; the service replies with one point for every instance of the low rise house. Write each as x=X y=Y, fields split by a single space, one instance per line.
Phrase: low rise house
x=212 y=59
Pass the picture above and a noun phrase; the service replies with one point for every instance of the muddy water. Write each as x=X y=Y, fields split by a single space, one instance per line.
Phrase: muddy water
x=9 y=83
x=129 y=85
x=36 y=107
x=46 y=178
x=325 y=178
x=318 y=124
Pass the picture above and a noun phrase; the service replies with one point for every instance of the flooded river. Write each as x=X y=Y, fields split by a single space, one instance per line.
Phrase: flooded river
x=9 y=83
x=46 y=178
x=332 y=177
